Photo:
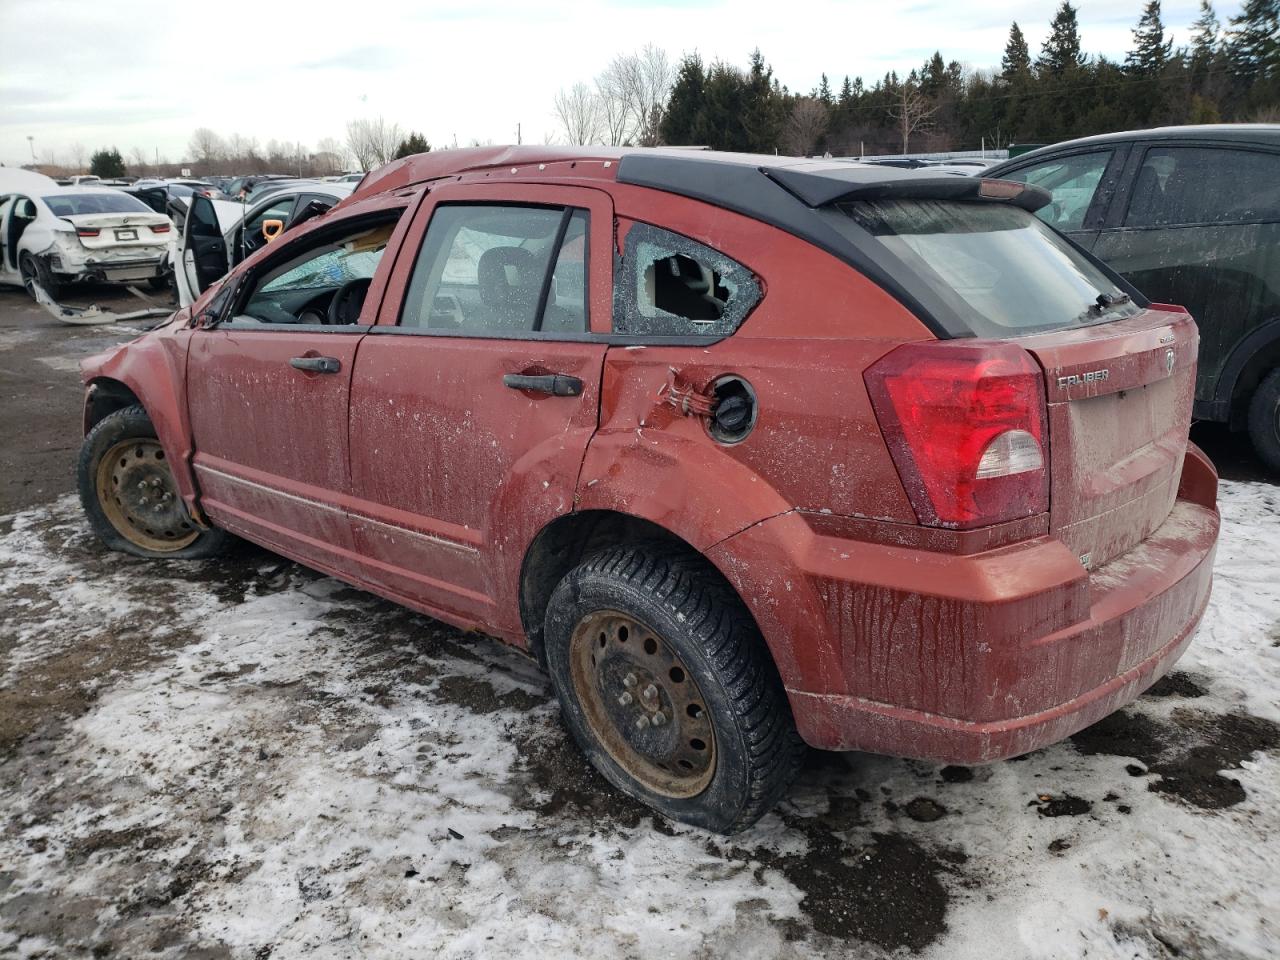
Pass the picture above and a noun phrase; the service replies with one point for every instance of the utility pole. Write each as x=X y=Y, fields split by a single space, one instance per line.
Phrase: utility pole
x=518 y=140
x=31 y=141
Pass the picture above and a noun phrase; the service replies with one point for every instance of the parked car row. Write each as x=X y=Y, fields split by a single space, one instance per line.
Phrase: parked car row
x=52 y=235
x=218 y=234
x=749 y=452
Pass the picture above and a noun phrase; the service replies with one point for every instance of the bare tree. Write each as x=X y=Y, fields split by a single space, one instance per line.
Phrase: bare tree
x=138 y=161
x=642 y=81
x=616 y=120
x=805 y=126
x=912 y=111
x=78 y=152
x=373 y=142
x=578 y=110
x=205 y=146
x=331 y=156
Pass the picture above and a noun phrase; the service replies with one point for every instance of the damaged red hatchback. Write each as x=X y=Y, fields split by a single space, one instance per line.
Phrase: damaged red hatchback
x=751 y=453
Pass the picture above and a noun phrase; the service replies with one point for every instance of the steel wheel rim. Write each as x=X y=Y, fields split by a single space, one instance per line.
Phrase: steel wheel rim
x=642 y=704
x=136 y=491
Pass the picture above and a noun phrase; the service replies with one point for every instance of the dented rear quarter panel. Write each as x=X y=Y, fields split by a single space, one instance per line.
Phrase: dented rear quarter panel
x=816 y=443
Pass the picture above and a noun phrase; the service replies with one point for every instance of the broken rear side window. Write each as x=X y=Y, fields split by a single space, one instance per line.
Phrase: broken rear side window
x=669 y=285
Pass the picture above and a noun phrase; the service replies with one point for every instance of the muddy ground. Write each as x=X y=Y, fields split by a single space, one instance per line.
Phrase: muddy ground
x=246 y=759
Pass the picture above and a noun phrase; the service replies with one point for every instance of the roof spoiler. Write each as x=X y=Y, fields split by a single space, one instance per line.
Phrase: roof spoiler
x=821 y=189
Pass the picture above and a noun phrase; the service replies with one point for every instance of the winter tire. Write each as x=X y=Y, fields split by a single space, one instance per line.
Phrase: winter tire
x=129 y=495
x=668 y=687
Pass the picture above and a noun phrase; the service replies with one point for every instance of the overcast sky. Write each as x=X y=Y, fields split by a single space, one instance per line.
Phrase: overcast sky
x=145 y=74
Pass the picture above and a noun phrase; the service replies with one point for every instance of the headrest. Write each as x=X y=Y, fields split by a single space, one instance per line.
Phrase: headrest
x=508 y=276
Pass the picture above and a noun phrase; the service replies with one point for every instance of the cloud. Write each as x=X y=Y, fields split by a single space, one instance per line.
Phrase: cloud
x=359 y=59
x=145 y=73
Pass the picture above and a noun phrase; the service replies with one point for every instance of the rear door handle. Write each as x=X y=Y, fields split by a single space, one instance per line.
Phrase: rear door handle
x=555 y=384
x=316 y=364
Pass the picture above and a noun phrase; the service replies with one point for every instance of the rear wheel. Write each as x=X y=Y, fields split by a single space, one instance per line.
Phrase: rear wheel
x=667 y=686
x=1264 y=420
x=129 y=494
x=33 y=271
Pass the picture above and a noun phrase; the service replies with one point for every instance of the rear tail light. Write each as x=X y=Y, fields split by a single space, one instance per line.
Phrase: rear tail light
x=87 y=231
x=160 y=228
x=965 y=424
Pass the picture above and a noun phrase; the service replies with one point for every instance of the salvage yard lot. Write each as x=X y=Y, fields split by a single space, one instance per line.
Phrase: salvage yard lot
x=246 y=759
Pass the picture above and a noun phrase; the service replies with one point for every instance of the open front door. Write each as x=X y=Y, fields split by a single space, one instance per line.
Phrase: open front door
x=204 y=246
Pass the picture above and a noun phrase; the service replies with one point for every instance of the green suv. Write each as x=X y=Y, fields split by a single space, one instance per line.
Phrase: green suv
x=1189 y=215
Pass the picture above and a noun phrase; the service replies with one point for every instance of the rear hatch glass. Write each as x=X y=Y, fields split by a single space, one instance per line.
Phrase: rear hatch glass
x=989 y=269
x=1119 y=376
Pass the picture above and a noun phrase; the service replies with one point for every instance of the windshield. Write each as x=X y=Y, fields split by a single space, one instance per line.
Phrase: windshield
x=997 y=268
x=75 y=204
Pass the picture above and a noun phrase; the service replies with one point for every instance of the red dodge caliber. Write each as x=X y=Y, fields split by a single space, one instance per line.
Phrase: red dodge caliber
x=751 y=453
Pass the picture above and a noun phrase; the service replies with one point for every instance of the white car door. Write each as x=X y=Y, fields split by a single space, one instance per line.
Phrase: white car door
x=205 y=252
x=8 y=269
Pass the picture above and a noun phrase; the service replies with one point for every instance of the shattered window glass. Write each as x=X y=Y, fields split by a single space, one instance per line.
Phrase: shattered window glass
x=669 y=285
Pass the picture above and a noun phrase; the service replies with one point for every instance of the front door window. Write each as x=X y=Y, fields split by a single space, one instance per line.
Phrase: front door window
x=489 y=270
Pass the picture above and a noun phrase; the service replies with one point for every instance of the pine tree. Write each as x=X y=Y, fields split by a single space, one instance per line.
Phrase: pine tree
x=1061 y=50
x=1203 y=60
x=682 y=123
x=1253 y=41
x=933 y=75
x=765 y=107
x=414 y=143
x=1017 y=58
x=846 y=92
x=824 y=91
x=107 y=163
x=1150 y=48
x=1204 y=34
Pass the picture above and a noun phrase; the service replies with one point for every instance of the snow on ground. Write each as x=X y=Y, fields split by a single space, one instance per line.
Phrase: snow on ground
x=245 y=759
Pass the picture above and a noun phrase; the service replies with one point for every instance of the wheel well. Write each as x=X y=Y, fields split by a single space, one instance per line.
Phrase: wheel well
x=566 y=542
x=1263 y=360
x=105 y=397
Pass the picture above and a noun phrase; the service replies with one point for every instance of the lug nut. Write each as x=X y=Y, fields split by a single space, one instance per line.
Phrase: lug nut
x=625 y=699
x=659 y=719
x=630 y=680
x=642 y=722
x=650 y=692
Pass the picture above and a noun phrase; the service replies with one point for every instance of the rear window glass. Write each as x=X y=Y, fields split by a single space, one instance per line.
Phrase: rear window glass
x=994 y=267
x=75 y=204
x=1179 y=185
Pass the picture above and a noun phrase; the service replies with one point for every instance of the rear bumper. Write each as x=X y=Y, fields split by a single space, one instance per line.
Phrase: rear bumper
x=132 y=268
x=1008 y=651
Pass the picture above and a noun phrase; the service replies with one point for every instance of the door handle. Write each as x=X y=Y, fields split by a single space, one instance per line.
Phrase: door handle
x=555 y=384
x=316 y=364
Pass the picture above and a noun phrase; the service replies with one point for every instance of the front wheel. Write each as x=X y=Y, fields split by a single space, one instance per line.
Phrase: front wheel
x=667 y=686
x=1264 y=420
x=129 y=494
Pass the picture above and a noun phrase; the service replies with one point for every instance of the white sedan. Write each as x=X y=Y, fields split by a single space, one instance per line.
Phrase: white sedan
x=52 y=235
